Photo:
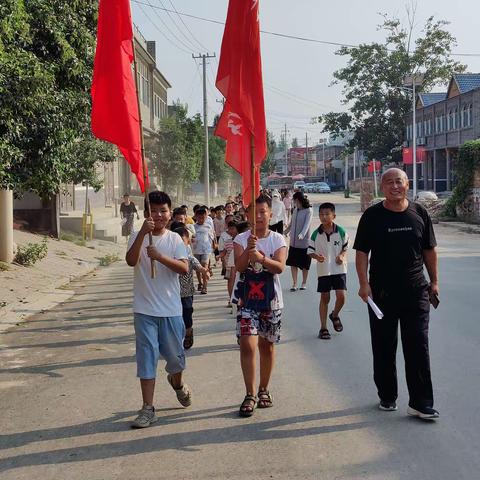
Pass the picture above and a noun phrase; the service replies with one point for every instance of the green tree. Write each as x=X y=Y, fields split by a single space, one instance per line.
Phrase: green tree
x=46 y=63
x=268 y=166
x=374 y=75
x=177 y=152
x=294 y=142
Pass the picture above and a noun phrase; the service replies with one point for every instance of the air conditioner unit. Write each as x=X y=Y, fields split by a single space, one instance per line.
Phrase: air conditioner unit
x=421 y=141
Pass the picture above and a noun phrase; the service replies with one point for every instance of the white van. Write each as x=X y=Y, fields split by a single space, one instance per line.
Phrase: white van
x=299 y=185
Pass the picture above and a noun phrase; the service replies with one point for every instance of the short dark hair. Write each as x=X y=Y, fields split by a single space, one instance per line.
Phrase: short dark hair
x=185 y=207
x=242 y=226
x=175 y=225
x=327 y=206
x=182 y=231
x=158 y=198
x=179 y=211
x=232 y=223
x=229 y=215
x=262 y=198
x=201 y=211
x=196 y=207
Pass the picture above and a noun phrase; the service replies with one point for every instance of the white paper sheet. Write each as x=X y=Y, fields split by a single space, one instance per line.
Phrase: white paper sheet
x=375 y=308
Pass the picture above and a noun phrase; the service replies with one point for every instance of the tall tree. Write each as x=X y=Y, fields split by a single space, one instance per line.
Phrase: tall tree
x=46 y=63
x=374 y=75
x=177 y=153
x=268 y=166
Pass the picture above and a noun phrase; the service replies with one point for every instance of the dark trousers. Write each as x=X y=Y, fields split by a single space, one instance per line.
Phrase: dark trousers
x=187 y=311
x=412 y=311
x=277 y=227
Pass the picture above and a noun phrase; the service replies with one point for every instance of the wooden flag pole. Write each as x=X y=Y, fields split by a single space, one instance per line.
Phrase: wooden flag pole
x=144 y=163
x=253 y=205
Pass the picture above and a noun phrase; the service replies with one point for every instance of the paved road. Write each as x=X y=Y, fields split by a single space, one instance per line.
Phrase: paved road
x=68 y=391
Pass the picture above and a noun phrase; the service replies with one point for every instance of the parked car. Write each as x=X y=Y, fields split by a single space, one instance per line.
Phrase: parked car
x=322 y=187
x=299 y=185
x=336 y=187
x=309 y=188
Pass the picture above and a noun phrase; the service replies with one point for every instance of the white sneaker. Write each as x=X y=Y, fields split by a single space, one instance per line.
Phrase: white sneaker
x=146 y=416
x=425 y=413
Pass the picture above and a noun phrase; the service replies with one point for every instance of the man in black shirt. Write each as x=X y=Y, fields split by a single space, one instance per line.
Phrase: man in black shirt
x=398 y=235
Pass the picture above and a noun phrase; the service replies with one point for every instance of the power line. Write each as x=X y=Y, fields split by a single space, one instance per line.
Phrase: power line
x=161 y=32
x=188 y=29
x=191 y=44
x=154 y=8
x=285 y=35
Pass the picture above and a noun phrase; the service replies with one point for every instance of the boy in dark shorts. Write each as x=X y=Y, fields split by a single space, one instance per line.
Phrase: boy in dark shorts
x=328 y=246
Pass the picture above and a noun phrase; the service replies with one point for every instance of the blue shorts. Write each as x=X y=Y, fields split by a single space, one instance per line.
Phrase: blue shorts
x=155 y=336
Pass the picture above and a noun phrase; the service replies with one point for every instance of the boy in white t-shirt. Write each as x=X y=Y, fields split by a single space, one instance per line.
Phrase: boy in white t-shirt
x=259 y=260
x=159 y=326
x=328 y=246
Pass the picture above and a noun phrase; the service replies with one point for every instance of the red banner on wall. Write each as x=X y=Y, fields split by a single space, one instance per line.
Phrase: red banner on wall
x=408 y=155
x=377 y=165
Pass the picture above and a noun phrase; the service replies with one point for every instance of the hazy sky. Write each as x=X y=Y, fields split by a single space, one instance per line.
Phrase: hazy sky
x=290 y=67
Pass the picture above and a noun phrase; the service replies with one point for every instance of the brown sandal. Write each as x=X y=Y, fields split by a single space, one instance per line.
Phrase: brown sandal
x=324 y=334
x=337 y=324
x=265 y=399
x=188 y=341
x=248 y=406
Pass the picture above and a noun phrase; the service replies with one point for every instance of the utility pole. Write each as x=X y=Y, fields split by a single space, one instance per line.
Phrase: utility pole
x=306 y=154
x=286 y=149
x=206 y=164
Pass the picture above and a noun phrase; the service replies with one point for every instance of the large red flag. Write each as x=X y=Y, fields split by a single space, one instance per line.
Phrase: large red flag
x=239 y=79
x=115 y=115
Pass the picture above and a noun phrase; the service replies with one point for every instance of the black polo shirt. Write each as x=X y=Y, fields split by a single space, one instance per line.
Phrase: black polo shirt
x=395 y=241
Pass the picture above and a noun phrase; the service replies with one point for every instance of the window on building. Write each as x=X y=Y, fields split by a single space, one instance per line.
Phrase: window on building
x=455 y=119
x=470 y=116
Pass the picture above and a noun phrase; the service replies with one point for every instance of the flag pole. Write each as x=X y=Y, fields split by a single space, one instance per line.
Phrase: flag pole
x=144 y=163
x=253 y=204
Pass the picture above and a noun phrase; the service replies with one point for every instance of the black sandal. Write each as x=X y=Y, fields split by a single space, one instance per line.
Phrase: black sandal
x=324 y=334
x=248 y=406
x=265 y=399
x=188 y=341
x=337 y=324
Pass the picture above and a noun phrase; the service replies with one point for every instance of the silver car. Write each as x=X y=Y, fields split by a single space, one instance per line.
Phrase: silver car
x=322 y=187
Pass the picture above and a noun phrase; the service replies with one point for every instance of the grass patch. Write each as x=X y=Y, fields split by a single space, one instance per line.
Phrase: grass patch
x=108 y=259
x=74 y=238
x=4 y=267
x=29 y=254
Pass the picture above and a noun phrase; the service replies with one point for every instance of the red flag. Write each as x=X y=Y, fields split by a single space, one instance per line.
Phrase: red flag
x=115 y=115
x=239 y=79
x=408 y=155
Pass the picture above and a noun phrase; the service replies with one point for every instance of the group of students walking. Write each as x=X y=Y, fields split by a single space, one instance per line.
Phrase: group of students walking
x=252 y=262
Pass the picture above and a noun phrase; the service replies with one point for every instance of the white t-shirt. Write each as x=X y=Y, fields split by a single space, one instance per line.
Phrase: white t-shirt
x=226 y=243
x=204 y=236
x=268 y=246
x=159 y=296
x=330 y=246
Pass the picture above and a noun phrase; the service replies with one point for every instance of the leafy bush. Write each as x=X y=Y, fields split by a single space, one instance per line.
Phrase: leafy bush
x=468 y=162
x=4 y=267
x=108 y=259
x=31 y=253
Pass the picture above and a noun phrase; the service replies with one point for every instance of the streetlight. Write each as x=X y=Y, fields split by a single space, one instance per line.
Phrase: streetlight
x=415 y=80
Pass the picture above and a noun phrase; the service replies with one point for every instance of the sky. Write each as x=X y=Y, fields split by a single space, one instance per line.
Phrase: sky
x=297 y=74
